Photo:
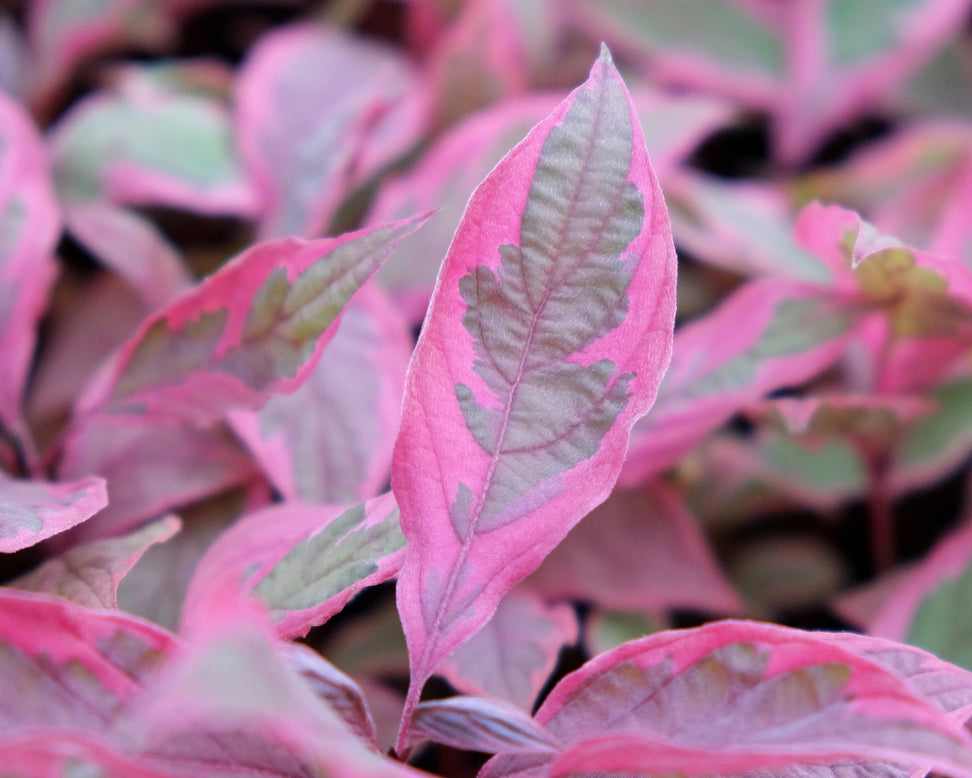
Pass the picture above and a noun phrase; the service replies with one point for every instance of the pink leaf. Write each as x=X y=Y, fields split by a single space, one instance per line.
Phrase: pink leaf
x=545 y=341
x=341 y=693
x=152 y=468
x=32 y=511
x=255 y=328
x=68 y=666
x=480 y=724
x=514 y=654
x=768 y=334
x=228 y=703
x=89 y=574
x=30 y=225
x=314 y=107
x=331 y=440
x=640 y=550
x=947 y=687
x=132 y=247
x=143 y=147
x=737 y=697
x=304 y=562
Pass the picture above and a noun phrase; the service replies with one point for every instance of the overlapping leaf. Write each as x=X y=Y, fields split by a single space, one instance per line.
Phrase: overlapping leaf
x=769 y=334
x=545 y=341
x=150 y=147
x=89 y=574
x=318 y=111
x=640 y=550
x=731 y=698
x=304 y=562
x=254 y=328
x=32 y=511
x=512 y=657
x=331 y=440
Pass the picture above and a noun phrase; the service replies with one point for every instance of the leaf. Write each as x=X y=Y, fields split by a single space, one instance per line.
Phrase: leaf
x=132 y=247
x=640 y=550
x=66 y=666
x=229 y=704
x=304 y=562
x=768 y=334
x=32 y=511
x=732 y=698
x=947 y=687
x=153 y=468
x=480 y=724
x=331 y=440
x=137 y=148
x=29 y=229
x=341 y=693
x=318 y=111
x=513 y=655
x=545 y=340
x=254 y=328
x=89 y=574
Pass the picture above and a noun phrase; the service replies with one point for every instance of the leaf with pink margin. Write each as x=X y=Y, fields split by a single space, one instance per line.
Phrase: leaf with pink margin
x=311 y=102
x=947 y=687
x=512 y=657
x=89 y=574
x=67 y=752
x=736 y=697
x=64 y=666
x=229 y=703
x=640 y=550
x=150 y=148
x=132 y=247
x=514 y=424
x=480 y=724
x=29 y=228
x=331 y=440
x=152 y=468
x=254 y=328
x=32 y=511
x=305 y=562
x=927 y=607
x=769 y=333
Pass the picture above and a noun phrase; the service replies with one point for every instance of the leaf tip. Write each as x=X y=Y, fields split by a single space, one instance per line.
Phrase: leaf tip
x=604 y=57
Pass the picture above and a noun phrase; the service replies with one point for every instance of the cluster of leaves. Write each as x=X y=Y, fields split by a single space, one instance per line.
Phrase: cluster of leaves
x=199 y=467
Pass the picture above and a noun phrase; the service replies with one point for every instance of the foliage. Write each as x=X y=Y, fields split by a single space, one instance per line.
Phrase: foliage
x=353 y=421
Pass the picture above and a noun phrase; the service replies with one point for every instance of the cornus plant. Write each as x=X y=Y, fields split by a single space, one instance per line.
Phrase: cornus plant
x=274 y=503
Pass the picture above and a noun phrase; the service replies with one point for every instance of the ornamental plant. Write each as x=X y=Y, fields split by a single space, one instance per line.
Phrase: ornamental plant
x=387 y=390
